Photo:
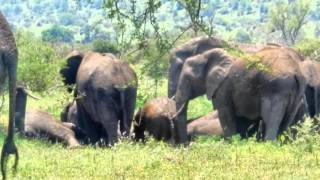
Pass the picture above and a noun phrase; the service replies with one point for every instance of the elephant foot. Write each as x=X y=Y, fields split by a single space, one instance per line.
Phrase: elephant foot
x=73 y=143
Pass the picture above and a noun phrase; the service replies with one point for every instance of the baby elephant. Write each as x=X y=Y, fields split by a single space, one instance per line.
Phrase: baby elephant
x=36 y=123
x=205 y=125
x=155 y=118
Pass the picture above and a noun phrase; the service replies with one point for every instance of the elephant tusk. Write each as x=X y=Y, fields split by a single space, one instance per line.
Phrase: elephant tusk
x=177 y=113
x=29 y=94
x=32 y=96
x=172 y=98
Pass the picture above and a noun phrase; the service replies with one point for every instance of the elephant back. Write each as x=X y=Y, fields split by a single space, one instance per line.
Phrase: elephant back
x=105 y=70
x=281 y=61
x=161 y=106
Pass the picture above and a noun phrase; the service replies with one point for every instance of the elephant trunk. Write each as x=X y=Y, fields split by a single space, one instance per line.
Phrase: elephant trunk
x=9 y=146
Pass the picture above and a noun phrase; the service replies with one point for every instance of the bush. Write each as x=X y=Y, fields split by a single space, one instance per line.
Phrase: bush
x=104 y=46
x=38 y=66
x=242 y=36
x=57 y=34
x=309 y=48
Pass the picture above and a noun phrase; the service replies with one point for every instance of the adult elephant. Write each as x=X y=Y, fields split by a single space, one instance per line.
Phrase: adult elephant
x=269 y=88
x=8 y=68
x=311 y=71
x=40 y=124
x=106 y=90
x=180 y=54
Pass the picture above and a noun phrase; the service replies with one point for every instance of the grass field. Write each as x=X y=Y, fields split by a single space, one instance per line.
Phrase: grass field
x=206 y=158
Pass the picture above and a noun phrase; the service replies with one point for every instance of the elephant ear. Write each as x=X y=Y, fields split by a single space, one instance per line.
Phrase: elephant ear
x=69 y=71
x=219 y=65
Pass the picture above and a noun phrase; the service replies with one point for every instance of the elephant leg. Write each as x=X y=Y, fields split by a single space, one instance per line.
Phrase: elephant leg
x=273 y=111
x=227 y=121
x=108 y=115
x=112 y=133
x=128 y=110
x=87 y=124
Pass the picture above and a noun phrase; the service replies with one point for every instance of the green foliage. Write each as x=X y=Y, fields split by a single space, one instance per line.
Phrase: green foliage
x=289 y=17
x=242 y=36
x=309 y=48
x=38 y=62
x=57 y=34
x=104 y=46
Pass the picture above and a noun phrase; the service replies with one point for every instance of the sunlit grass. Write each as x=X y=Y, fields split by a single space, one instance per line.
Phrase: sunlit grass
x=206 y=158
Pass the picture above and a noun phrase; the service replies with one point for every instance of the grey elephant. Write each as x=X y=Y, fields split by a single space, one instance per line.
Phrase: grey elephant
x=8 y=68
x=40 y=124
x=311 y=71
x=106 y=90
x=269 y=88
x=69 y=113
x=155 y=117
x=208 y=124
x=180 y=54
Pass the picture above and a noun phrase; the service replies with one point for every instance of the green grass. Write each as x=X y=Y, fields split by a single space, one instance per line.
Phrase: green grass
x=206 y=158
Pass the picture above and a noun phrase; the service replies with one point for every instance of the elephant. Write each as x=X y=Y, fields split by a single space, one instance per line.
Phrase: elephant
x=106 y=89
x=311 y=71
x=8 y=68
x=205 y=125
x=268 y=89
x=40 y=124
x=209 y=124
x=155 y=117
x=180 y=54
x=70 y=114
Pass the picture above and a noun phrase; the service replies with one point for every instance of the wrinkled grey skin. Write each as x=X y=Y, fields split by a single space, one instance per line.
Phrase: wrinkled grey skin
x=70 y=113
x=40 y=124
x=154 y=118
x=242 y=94
x=8 y=68
x=180 y=54
x=206 y=125
x=311 y=71
x=106 y=93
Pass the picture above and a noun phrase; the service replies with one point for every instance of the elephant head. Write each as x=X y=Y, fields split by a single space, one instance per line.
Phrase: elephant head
x=180 y=54
x=69 y=72
x=8 y=67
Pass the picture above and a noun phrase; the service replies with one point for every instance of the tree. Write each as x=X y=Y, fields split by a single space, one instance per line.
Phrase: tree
x=57 y=34
x=288 y=18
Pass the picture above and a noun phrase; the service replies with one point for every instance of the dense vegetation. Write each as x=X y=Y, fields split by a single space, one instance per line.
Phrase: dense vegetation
x=47 y=30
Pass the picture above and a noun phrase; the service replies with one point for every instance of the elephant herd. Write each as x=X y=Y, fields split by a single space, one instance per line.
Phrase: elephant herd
x=261 y=92
x=254 y=89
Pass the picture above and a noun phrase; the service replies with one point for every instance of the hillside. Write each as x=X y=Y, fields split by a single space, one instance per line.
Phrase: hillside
x=242 y=20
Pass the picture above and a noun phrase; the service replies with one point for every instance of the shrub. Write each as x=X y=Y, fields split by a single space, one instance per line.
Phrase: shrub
x=57 y=34
x=242 y=36
x=38 y=66
x=104 y=46
x=310 y=48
